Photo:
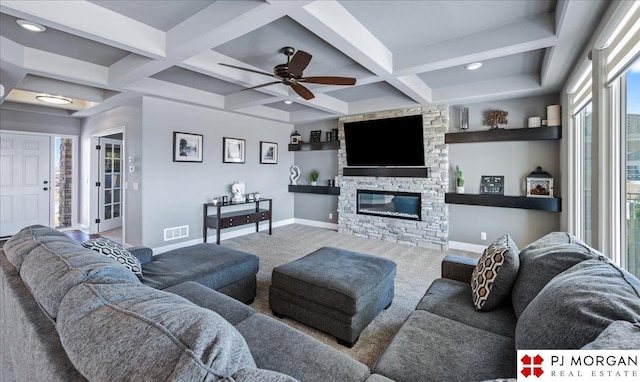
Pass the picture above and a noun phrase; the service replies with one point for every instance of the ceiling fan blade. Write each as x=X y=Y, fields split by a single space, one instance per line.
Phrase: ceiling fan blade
x=263 y=85
x=299 y=62
x=246 y=69
x=302 y=91
x=328 y=80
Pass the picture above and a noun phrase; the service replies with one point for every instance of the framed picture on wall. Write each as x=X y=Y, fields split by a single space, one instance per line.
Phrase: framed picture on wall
x=233 y=150
x=268 y=152
x=187 y=147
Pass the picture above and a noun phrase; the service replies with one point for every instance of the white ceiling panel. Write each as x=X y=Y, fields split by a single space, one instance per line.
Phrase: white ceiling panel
x=401 y=53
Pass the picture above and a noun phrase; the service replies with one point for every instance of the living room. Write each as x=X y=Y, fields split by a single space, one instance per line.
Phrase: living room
x=162 y=77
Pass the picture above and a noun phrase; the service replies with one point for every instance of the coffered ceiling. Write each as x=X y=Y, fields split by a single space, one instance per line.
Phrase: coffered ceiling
x=402 y=53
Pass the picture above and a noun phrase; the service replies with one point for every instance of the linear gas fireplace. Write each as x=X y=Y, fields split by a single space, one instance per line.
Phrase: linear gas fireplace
x=399 y=205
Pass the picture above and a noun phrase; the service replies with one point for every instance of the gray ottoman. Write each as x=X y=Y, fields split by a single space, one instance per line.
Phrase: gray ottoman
x=333 y=290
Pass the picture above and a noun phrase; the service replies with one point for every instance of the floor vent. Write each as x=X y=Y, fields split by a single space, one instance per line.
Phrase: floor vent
x=176 y=232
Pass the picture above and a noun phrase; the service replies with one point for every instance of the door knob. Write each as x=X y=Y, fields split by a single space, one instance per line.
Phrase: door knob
x=46 y=182
x=46 y=189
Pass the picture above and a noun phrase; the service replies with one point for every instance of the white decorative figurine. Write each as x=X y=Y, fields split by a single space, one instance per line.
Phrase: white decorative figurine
x=295 y=175
x=238 y=192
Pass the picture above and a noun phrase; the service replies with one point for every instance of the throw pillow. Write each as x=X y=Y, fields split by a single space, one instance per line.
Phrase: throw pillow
x=495 y=274
x=116 y=252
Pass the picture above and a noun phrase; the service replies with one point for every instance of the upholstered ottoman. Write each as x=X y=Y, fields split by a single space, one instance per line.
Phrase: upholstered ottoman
x=333 y=290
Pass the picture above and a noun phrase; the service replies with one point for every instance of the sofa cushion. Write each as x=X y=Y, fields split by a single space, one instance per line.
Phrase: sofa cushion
x=450 y=299
x=117 y=252
x=577 y=305
x=140 y=333
x=211 y=265
x=279 y=347
x=543 y=260
x=51 y=268
x=18 y=246
x=429 y=347
x=495 y=274
x=620 y=335
x=229 y=308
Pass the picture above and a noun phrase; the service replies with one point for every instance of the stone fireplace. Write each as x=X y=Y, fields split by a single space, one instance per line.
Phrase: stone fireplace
x=381 y=218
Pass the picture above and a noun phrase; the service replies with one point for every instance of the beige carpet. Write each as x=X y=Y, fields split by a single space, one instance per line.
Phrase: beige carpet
x=417 y=268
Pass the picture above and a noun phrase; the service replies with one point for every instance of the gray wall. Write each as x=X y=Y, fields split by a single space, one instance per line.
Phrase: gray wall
x=513 y=159
x=316 y=207
x=129 y=117
x=173 y=193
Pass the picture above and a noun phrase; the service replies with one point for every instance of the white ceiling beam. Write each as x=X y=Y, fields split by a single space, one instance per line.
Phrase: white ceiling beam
x=506 y=86
x=524 y=36
x=309 y=115
x=176 y=92
x=64 y=68
x=91 y=21
x=108 y=104
x=245 y=99
x=267 y=113
x=334 y=24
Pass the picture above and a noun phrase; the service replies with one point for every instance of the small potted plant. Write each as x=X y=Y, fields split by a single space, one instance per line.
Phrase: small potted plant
x=256 y=195
x=459 y=181
x=314 y=177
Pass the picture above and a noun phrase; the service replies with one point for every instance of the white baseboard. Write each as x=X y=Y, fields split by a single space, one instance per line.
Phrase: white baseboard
x=467 y=247
x=223 y=236
x=315 y=223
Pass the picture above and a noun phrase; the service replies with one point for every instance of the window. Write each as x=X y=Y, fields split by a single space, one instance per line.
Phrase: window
x=583 y=124
x=630 y=118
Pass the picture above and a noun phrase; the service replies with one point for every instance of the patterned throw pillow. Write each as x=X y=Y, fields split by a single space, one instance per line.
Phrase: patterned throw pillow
x=495 y=274
x=117 y=252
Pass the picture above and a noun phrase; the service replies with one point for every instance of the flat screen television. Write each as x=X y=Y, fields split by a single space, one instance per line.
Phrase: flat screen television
x=391 y=142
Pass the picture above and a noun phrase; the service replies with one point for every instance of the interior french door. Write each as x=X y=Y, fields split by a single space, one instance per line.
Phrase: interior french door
x=24 y=181
x=110 y=184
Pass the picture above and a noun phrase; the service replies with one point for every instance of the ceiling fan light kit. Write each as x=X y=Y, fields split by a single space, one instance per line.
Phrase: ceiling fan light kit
x=291 y=74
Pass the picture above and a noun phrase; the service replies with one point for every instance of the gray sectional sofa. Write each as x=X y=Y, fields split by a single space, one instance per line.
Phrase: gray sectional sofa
x=566 y=295
x=70 y=314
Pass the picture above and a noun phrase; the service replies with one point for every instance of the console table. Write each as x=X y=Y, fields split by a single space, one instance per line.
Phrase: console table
x=234 y=218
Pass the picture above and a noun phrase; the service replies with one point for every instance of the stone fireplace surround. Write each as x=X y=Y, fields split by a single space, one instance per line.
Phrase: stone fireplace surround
x=432 y=230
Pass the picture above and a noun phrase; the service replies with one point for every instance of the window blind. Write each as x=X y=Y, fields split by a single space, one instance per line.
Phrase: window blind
x=624 y=44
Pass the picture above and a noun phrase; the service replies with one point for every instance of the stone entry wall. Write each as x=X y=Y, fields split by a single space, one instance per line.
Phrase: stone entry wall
x=433 y=229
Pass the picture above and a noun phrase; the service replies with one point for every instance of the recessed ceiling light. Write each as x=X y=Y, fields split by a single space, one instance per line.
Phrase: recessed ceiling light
x=473 y=66
x=31 y=26
x=56 y=100
x=288 y=102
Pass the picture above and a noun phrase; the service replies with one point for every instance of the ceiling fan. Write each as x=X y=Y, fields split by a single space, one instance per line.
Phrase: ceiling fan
x=291 y=74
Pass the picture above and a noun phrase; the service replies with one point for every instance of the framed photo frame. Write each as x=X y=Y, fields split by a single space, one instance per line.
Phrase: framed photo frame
x=187 y=147
x=233 y=150
x=316 y=136
x=539 y=187
x=492 y=184
x=268 y=152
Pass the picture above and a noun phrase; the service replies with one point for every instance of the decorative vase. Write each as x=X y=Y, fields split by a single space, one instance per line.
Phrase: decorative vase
x=459 y=189
x=314 y=183
x=256 y=196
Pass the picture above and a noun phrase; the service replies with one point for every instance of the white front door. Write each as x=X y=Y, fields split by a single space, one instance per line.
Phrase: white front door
x=24 y=181
x=110 y=190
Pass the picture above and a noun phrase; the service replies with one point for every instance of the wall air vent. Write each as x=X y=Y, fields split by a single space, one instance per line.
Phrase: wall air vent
x=176 y=232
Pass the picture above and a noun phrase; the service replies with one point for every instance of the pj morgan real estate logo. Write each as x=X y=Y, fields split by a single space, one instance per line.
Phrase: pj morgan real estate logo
x=579 y=365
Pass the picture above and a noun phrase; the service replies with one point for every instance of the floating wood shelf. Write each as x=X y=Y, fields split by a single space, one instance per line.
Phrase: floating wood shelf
x=398 y=172
x=541 y=204
x=326 y=190
x=534 y=134
x=330 y=145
